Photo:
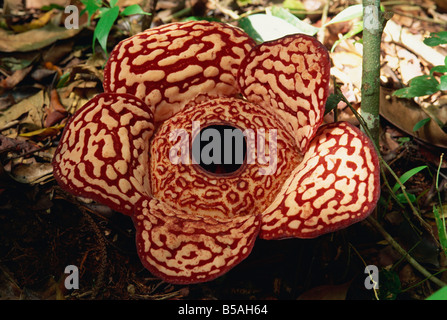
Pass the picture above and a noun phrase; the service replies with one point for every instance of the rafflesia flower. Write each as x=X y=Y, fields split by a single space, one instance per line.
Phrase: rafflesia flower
x=138 y=147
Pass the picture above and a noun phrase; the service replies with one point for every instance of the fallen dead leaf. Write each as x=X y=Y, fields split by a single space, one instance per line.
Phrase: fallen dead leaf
x=6 y=101
x=409 y=65
x=401 y=35
x=40 y=3
x=350 y=64
x=14 y=79
x=32 y=173
x=34 y=24
x=55 y=111
x=16 y=145
x=34 y=39
x=30 y=110
x=44 y=132
x=405 y=113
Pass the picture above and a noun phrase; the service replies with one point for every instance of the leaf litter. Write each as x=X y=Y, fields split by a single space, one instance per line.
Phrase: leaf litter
x=47 y=72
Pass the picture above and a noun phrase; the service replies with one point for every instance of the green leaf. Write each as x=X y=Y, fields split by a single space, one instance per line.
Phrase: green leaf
x=402 y=93
x=402 y=199
x=420 y=124
x=407 y=175
x=293 y=20
x=441 y=294
x=389 y=284
x=347 y=14
x=200 y=18
x=63 y=80
x=419 y=86
x=412 y=92
x=102 y=10
x=440 y=69
x=424 y=80
x=113 y=3
x=443 y=84
x=51 y=7
x=436 y=38
x=442 y=232
x=403 y=140
x=357 y=28
x=332 y=102
x=104 y=26
x=134 y=9
x=91 y=6
x=267 y=27
x=247 y=26
x=295 y=5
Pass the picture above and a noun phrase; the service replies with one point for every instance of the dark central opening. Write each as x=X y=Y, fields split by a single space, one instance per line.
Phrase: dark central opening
x=220 y=149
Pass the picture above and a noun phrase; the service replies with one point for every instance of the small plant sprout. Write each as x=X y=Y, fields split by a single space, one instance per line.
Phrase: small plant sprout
x=108 y=13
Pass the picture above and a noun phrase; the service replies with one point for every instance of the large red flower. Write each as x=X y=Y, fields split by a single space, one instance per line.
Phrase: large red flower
x=131 y=147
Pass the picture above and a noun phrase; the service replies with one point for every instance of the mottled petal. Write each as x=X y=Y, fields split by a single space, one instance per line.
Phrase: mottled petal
x=175 y=64
x=336 y=185
x=181 y=248
x=291 y=76
x=104 y=151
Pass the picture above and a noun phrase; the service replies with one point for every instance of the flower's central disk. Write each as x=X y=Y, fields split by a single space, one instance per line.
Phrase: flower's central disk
x=199 y=164
x=220 y=149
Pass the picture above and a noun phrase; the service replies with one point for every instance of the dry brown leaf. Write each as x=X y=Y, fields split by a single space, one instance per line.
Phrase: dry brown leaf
x=6 y=101
x=30 y=111
x=16 y=145
x=441 y=5
x=59 y=52
x=37 y=4
x=14 y=79
x=398 y=34
x=409 y=65
x=405 y=113
x=34 y=24
x=34 y=39
x=78 y=93
x=32 y=173
x=55 y=111
x=350 y=64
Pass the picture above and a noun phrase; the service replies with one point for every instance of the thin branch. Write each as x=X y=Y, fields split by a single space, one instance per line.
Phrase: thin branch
x=405 y=254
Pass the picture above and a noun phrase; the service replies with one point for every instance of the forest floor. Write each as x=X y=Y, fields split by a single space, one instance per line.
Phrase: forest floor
x=43 y=229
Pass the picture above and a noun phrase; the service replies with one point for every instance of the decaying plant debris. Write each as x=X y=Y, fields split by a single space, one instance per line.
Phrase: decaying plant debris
x=48 y=72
